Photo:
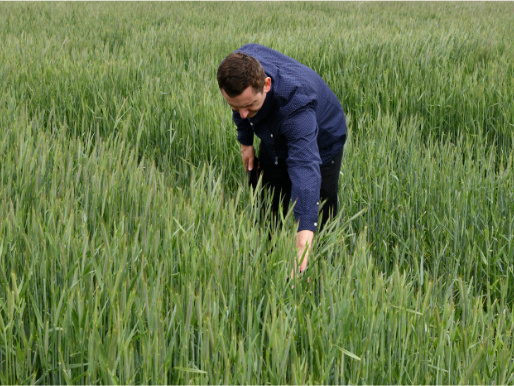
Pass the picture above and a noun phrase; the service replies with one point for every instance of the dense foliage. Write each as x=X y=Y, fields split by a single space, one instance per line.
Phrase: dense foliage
x=129 y=250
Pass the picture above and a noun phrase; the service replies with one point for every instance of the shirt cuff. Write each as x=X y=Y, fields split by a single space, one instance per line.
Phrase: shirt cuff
x=308 y=224
x=245 y=138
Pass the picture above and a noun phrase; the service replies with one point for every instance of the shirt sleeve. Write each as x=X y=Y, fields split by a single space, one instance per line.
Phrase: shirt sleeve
x=244 y=130
x=303 y=162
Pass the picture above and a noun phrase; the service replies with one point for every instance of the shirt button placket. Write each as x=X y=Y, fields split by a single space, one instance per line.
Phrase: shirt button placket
x=276 y=158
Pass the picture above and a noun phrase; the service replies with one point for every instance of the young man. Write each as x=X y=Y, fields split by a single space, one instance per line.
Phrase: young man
x=302 y=129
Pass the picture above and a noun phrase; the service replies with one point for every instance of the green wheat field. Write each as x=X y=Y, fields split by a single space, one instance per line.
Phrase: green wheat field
x=130 y=244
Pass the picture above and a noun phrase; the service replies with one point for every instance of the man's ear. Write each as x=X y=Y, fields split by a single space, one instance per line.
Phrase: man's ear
x=267 y=84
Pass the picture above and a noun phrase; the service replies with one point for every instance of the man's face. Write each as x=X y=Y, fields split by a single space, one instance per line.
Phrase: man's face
x=248 y=103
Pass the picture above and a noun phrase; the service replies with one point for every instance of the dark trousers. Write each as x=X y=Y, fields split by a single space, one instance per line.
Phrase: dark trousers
x=277 y=185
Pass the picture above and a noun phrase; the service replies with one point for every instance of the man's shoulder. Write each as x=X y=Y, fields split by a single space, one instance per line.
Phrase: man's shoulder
x=295 y=85
x=259 y=51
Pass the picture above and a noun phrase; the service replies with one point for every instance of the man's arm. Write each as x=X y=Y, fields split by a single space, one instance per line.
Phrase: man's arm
x=303 y=167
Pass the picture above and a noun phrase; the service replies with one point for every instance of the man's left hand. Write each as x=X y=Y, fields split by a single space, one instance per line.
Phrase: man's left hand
x=303 y=246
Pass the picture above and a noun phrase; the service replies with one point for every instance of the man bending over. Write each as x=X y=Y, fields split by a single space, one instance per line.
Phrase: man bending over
x=302 y=131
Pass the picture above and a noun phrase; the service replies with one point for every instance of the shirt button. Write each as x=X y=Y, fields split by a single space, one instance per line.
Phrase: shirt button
x=315 y=224
x=317 y=203
x=271 y=135
x=251 y=123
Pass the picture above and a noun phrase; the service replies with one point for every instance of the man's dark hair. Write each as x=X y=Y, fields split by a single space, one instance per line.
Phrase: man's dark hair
x=238 y=71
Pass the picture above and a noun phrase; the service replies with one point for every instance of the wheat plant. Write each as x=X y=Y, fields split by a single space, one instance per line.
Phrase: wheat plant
x=132 y=251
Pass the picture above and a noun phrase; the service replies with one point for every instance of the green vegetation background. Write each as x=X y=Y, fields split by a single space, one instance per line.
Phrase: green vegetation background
x=129 y=251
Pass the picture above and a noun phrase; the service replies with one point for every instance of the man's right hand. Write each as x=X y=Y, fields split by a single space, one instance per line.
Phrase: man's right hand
x=248 y=155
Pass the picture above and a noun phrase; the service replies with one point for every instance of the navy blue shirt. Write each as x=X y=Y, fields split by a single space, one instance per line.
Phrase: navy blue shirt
x=301 y=121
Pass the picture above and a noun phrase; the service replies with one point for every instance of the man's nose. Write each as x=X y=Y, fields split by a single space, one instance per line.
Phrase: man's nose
x=243 y=113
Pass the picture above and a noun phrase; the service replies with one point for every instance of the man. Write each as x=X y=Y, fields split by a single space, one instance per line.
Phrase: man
x=302 y=129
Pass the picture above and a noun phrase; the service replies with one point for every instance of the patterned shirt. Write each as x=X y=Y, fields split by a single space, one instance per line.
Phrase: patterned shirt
x=301 y=121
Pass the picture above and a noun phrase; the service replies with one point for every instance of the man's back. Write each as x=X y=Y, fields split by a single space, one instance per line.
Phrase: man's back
x=296 y=87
